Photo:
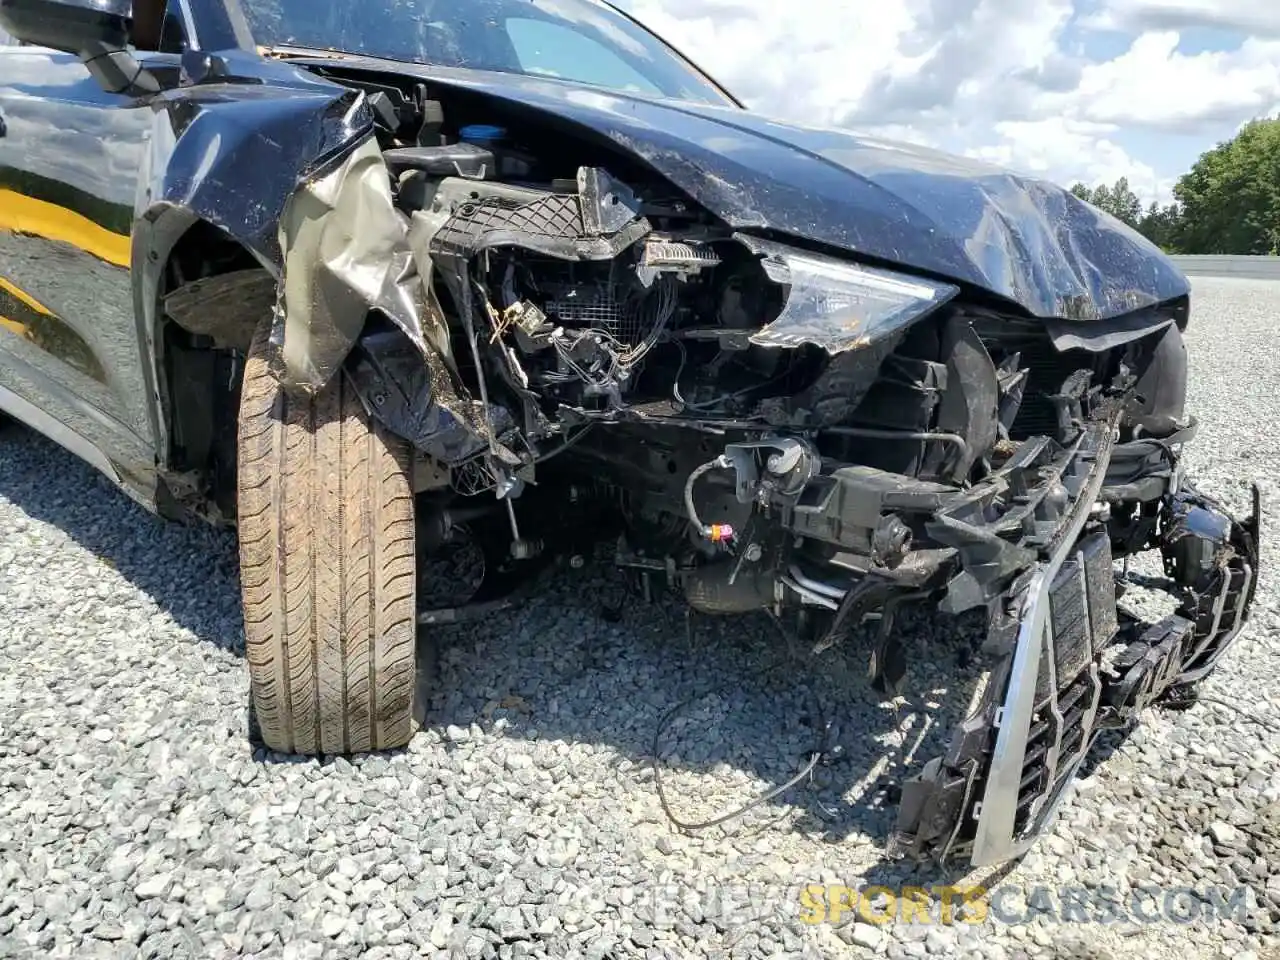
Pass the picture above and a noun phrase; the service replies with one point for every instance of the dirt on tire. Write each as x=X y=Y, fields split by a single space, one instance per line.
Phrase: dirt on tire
x=327 y=567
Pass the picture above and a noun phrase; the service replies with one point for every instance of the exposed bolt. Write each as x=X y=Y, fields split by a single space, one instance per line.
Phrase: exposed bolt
x=754 y=552
x=577 y=561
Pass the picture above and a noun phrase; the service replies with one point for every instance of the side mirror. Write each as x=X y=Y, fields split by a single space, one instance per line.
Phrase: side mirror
x=95 y=30
x=68 y=25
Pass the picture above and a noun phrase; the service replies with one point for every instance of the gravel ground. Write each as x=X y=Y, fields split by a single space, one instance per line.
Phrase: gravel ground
x=523 y=822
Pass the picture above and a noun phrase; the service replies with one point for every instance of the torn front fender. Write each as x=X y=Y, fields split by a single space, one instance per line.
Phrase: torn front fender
x=230 y=150
x=346 y=253
x=284 y=164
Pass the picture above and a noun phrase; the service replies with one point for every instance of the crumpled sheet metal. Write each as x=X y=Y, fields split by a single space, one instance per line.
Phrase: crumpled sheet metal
x=346 y=253
x=1100 y=337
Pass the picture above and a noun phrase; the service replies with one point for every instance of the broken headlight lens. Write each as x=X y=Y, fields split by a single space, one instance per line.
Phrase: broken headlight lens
x=838 y=305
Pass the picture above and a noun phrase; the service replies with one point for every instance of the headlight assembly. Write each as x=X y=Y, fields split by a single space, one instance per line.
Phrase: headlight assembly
x=839 y=305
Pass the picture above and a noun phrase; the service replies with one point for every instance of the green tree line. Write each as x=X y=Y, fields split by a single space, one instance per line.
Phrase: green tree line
x=1227 y=203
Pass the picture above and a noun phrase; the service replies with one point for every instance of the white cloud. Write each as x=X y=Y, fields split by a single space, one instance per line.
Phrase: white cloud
x=1256 y=17
x=1006 y=80
x=1153 y=85
x=812 y=60
x=1048 y=147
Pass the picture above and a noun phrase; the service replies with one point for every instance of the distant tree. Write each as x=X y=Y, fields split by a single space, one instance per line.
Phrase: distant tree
x=1158 y=224
x=1231 y=196
x=1161 y=226
x=1120 y=201
x=1125 y=204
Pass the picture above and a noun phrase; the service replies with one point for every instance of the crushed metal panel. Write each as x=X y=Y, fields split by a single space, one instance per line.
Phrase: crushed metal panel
x=346 y=252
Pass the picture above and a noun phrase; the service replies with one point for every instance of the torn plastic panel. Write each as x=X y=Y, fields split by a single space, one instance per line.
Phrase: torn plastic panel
x=1144 y=470
x=346 y=253
x=1075 y=665
x=415 y=398
x=839 y=391
x=1109 y=334
x=1159 y=405
x=969 y=406
x=226 y=307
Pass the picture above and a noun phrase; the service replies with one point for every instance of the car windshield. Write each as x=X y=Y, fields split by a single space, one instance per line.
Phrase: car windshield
x=583 y=41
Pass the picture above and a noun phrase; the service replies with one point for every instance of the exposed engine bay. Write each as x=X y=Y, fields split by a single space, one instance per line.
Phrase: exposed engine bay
x=761 y=425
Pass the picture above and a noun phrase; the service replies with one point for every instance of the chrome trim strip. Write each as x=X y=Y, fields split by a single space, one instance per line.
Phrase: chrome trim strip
x=994 y=839
x=193 y=39
x=56 y=431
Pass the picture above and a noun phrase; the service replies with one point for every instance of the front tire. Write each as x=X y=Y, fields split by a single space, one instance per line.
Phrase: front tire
x=327 y=567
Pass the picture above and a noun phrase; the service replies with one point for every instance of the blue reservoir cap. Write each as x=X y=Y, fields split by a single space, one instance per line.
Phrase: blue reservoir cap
x=481 y=133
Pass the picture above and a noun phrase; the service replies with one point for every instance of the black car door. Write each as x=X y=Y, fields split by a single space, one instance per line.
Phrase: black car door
x=71 y=357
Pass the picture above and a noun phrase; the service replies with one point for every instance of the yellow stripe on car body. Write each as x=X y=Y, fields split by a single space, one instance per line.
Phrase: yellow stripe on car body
x=23 y=214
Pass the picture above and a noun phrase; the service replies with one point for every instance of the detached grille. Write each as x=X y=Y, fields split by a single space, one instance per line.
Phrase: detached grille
x=1083 y=620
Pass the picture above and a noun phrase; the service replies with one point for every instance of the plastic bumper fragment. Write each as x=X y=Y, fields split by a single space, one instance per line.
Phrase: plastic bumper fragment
x=1079 y=666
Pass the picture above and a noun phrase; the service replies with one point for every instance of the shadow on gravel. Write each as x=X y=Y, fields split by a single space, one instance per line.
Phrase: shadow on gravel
x=738 y=711
x=190 y=571
x=555 y=668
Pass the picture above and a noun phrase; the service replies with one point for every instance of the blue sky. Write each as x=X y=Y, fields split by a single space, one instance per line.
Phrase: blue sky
x=1065 y=89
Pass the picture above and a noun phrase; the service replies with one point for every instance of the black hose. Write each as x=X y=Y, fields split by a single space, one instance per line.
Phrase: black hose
x=874 y=434
x=1273 y=726
x=719 y=463
x=819 y=750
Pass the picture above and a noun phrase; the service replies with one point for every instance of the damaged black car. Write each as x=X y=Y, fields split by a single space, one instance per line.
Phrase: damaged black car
x=423 y=295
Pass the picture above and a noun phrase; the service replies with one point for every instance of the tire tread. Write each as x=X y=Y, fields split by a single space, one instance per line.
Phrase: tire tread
x=327 y=555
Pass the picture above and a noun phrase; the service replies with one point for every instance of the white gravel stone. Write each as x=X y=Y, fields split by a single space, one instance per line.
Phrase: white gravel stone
x=1223 y=833
x=156 y=886
x=862 y=935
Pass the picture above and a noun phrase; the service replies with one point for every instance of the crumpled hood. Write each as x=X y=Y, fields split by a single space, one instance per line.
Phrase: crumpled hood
x=1026 y=240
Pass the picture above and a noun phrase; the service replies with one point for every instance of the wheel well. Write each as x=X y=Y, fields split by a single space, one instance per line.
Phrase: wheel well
x=200 y=361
